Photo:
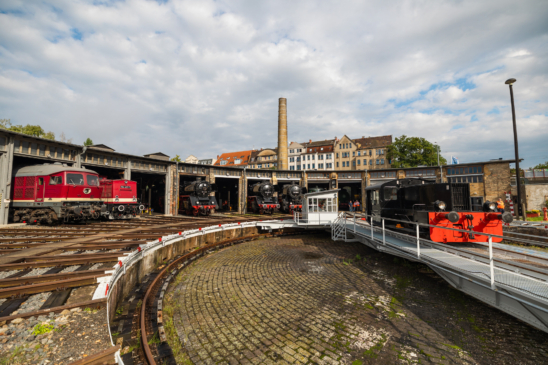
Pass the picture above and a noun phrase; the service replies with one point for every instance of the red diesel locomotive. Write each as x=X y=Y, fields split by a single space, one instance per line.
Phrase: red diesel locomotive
x=120 y=198
x=442 y=205
x=52 y=193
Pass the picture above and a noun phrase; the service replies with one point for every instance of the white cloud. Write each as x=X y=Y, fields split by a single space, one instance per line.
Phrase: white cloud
x=203 y=77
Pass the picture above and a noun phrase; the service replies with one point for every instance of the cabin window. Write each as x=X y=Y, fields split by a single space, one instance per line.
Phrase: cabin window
x=75 y=179
x=55 y=180
x=40 y=181
x=92 y=180
x=374 y=197
x=390 y=193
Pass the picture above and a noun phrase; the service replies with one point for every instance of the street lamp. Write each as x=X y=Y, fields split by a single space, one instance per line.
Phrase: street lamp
x=441 y=172
x=509 y=82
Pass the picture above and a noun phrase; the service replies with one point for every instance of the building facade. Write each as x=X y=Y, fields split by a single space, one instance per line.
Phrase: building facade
x=234 y=159
x=264 y=159
x=362 y=153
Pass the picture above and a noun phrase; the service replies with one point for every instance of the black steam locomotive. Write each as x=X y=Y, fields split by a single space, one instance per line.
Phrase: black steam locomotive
x=438 y=204
x=195 y=199
x=260 y=198
x=291 y=199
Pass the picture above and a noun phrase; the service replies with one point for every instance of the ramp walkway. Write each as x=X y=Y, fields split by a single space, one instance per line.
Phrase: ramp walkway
x=513 y=279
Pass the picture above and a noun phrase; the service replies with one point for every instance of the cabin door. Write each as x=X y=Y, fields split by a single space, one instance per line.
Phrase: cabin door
x=40 y=188
x=374 y=205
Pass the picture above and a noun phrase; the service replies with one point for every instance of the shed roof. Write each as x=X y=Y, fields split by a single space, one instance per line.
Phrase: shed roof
x=47 y=169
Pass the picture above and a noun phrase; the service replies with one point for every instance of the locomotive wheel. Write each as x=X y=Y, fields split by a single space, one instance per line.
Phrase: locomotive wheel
x=195 y=212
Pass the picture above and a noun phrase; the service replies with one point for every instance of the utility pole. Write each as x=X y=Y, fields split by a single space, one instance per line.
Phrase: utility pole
x=509 y=82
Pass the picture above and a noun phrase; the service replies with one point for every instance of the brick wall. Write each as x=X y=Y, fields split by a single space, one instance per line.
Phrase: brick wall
x=496 y=179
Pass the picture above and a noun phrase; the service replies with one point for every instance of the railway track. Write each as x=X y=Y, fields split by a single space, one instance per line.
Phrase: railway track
x=44 y=268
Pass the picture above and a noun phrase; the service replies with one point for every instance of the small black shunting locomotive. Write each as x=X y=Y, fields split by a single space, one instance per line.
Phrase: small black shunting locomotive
x=291 y=199
x=260 y=198
x=196 y=200
x=438 y=204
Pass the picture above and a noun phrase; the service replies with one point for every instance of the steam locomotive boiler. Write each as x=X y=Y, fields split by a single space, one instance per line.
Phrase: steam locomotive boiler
x=291 y=199
x=52 y=193
x=437 y=204
x=260 y=198
x=195 y=199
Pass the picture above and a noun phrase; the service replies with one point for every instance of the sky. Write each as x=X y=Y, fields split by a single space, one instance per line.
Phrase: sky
x=204 y=77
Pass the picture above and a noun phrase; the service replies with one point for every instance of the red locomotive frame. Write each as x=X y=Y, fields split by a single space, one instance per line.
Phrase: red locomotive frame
x=477 y=223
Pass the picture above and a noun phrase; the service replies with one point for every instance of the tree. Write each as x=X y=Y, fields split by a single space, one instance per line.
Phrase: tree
x=541 y=166
x=31 y=130
x=5 y=123
x=88 y=142
x=177 y=158
x=413 y=152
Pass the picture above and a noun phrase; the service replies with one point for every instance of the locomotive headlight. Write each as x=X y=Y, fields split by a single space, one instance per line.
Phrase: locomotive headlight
x=440 y=205
x=116 y=198
x=489 y=206
x=134 y=199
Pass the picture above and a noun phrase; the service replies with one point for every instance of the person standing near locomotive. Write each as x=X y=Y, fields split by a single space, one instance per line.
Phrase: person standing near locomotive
x=356 y=206
x=500 y=205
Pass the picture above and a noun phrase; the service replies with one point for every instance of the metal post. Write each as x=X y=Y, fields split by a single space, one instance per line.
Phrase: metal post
x=418 y=243
x=383 y=234
x=354 y=222
x=491 y=263
x=509 y=82
x=371 y=228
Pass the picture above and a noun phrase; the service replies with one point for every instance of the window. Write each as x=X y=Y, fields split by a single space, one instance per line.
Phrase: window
x=370 y=162
x=359 y=153
x=75 y=179
x=320 y=166
x=33 y=148
x=313 y=157
x=376 y=161
x=299 y=159
x=364 y=161
x=309 y=166
x=354 y=163
x=308 y=158
x=292 y=159
x=353 y=153
x=359 y=162
x=298 y=167
x=416 y=173
x=337 y=164
x=390 y=193
x=223 y=163
x=382 y=161
x=55 y=180
x=337 y=155
x=383 y=174
x=40 y=181
x=290 y=151
x=321 y=149
x=260 y=166
x=292 y=167
x=370 y=152
x=42 y=150
x=92 y=180
x=313 y=166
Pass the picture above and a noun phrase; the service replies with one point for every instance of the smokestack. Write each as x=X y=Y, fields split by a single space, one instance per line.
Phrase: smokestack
x=282 y=134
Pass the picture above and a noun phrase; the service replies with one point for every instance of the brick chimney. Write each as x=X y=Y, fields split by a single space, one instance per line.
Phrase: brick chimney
x=282 y=134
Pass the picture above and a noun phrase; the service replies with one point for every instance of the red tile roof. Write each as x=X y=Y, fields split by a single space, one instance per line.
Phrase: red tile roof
x=230 y=157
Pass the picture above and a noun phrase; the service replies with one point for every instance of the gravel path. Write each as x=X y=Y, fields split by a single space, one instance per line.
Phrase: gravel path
x=64 y=338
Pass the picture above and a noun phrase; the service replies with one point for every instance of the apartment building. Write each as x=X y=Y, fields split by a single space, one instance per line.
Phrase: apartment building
x=264 y=159
x=318 y=155
x=234 y=159
x=362 y=153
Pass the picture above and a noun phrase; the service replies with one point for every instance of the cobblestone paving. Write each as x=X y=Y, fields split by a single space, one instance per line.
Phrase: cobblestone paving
x=308 y=300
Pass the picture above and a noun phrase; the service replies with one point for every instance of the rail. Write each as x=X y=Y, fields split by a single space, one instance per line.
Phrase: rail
x=128 y=260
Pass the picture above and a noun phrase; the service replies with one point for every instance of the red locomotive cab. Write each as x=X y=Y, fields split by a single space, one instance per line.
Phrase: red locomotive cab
x=120 y=197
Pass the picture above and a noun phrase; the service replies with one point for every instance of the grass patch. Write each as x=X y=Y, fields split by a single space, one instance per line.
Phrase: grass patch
x=41 y=328
x=120 y=310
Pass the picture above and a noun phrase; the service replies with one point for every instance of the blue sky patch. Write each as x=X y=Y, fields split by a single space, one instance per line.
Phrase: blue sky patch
x=76 y=34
